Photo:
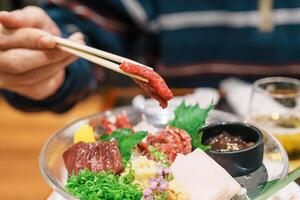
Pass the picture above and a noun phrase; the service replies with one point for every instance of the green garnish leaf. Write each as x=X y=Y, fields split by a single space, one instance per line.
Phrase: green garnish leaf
x=197 y=138
x=191 y=118
x=88 y=185
x=271 y=187
x=126 y=140
x=159 y=156
x=129 y=142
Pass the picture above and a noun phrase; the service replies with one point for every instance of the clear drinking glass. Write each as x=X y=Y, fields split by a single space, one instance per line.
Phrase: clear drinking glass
x=275 y=108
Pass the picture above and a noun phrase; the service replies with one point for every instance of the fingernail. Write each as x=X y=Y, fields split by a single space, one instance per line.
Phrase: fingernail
x=46 y=42
x=79 y=35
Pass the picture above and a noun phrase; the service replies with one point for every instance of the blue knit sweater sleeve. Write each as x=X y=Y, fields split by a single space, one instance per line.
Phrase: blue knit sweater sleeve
x=79 y=79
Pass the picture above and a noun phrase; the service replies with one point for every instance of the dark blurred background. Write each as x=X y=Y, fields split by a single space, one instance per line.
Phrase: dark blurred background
x=14 y=4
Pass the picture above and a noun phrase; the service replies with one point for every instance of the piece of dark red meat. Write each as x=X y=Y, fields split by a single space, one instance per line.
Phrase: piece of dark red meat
x=170 y=141
x=156 y=87
x=122 y=121
x=96 y=157
x=109 y=126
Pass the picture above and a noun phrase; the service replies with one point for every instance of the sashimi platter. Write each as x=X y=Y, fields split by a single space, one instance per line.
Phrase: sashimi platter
x=197 y=154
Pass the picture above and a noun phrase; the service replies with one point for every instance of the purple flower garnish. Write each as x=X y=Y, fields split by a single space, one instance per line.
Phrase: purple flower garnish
x=147 y=192
x=166 y=172
x=163 y=185
x=148 y=198
x=159 y=178
x=153 y=184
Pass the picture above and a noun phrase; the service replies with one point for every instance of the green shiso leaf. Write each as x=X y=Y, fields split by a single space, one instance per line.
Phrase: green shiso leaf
x=126 y=140
x=88 y=185
x=191 y=118
x=129 y=142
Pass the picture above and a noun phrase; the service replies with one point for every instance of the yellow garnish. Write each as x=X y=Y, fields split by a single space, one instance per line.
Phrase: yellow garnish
x=84 y=134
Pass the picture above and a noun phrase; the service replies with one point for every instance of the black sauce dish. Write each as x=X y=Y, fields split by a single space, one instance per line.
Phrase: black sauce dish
x=240 y=162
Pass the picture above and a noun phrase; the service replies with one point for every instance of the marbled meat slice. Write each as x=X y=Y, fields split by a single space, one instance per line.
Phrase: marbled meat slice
x=109 y=126
x=96 y=157
x=122 y=121
x=72 y=159
x=170 y=141
x=156 y=86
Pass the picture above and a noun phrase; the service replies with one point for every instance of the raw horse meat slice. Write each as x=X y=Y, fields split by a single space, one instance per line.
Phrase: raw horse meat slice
x=170 y=141
x=156 y=87
x=96 y=157
x=109 y=126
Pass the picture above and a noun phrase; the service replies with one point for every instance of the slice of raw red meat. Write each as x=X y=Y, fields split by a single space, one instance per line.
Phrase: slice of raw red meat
x=156 y=86
x=170 y=141
x=96 y=157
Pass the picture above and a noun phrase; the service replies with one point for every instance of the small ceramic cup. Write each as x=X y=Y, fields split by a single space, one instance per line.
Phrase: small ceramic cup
x=240 y=162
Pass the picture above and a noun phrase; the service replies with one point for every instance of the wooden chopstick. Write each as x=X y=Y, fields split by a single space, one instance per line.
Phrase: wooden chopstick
x=96 y=52
x=97 y=56
x=100 y=61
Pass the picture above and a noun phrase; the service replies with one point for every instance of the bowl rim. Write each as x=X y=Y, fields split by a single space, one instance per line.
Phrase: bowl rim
x=42 y=158
x=258 y=143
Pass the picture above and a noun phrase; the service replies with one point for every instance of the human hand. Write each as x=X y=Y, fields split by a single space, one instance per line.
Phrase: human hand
x=30 y=63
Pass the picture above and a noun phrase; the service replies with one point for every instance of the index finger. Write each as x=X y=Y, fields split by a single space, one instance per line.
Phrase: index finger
x=17 y=61
x=28 y=17
x=30 y=38
x=19 y=18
